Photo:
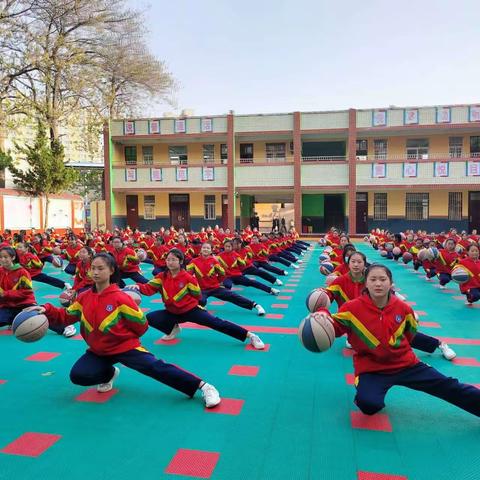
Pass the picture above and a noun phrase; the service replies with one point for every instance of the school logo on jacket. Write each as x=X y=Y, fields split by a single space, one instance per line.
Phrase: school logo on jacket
x=398 y=318
x=181 y=284
x=109 y=308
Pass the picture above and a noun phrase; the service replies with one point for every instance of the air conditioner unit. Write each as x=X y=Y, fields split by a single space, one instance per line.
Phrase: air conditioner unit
x=224 y=161
x=424 y=156
x=361 y=158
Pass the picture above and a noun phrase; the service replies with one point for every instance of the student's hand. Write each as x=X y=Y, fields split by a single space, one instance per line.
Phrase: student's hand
x=35 y=308
x=135 y=288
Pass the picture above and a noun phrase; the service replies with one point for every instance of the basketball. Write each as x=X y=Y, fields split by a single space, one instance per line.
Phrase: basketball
x=323 y=257
x=57 y=261
x=383 y=253
x=316 y=332
x=459 y=248
x=388 y=246
x=67 y=297
x=397 y=251
x=422 y=255
x=141 y=254
x=433 y=253
x=326 y=268
x=137 y=298
x=407 y=257
x=328 y=249
x=30 y=326
x=366 y=239
x=322 y=242
x=57 y=251
x=460 y=275
x=316 y=299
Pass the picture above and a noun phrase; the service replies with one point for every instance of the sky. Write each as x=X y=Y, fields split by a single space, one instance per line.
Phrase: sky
x=268 y=56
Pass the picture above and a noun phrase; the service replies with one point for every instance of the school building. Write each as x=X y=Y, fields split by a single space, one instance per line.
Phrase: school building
x=354 y=169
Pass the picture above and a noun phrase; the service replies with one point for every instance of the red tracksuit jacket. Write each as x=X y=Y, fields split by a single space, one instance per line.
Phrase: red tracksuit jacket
x=110 y=321
x=380 y=338
x=31 y=263
x=126 y=259
x=344 y=289
x=16 y=288
x=180 y=294
x=82 y=276
x=207 y=271
x=232 y=263
x=474 y=269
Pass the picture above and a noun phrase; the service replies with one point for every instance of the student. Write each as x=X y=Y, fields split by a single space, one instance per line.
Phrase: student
x=447 y=259
x=127 y=261
x=181 y=294
x=380 y=328
x=16 y=291
x=83 y=276
x=210 y=274
x=112 y=324
x=471 y=289
x=157 y=253
x=352 y=285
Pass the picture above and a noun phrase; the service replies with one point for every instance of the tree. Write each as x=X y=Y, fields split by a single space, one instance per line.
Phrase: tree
x=46 y=173
x=89 y=184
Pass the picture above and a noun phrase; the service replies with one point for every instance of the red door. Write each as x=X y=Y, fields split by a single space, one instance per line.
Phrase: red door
x=132 y=211
x=473 y=211
x=180 y=211
x=362 y=212
x=224 y=211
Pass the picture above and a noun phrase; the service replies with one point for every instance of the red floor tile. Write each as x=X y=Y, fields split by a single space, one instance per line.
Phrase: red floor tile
x=250 y=348
x=276 y=316
x=91 y=395
x=430 y=324
x=156 y=300
x=289 y=290
x=279 y=305
x=421 y=313
x=350 y=378
x=6 y=332
x=193 y=326
x=262 y=329
x=347 y=352
x=466 y=362
x=76 y=337
x=284 y=297
x=217 y=302
x=50 y=296
x=411 y=303
x=228 y=406
x=244 y=370
x=42 y=356
x=212 y=312
x=379 y=421
x=460 y=341
x=167 y=342
x=145 y=309
x=2 y=382
x=291 y=285
x=31 y=444
x=460 y=297
x=193 y=463
x=379 y=476
x=237 y=289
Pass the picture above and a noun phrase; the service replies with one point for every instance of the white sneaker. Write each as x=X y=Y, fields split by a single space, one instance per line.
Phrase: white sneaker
x=468 y=304
x=447 y=352
x=296 y=267
x=278 y=282
x=285 y=272
x=274 y=291
x=299 y=261
x=69 y=331
x=442 y=287
x=67 y=286
x=256 y=342
x=348 y=344
x=106 y=387
x=428 y=279
x=173 y=334
x=260 y=310
x=210 y=395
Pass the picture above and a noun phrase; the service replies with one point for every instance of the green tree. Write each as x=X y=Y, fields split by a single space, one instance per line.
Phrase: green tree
x=45 y=173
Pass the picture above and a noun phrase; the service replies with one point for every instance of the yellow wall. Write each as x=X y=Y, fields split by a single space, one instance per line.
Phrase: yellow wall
x=438 y=203
x=395 y=204
x=119 y=205
x=259 y=150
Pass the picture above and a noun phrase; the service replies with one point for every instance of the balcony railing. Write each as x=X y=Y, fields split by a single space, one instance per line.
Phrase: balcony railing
x=424 y=157
x=324 y=158
x=276 y=160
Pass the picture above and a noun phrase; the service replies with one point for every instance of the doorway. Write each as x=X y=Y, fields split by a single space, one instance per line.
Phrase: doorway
x=224 y=211
x=335 y=211
x=132 y=211
x=473 y=211
x=362 y=212
x=180 y=211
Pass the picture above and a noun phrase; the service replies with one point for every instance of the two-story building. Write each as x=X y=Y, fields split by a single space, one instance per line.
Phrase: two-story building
x=415 y=167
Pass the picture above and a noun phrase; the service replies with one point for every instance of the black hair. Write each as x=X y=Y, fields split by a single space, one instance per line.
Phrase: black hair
x=110 y=261
x=364 y=257
x=90 y=251
x=228 y=241
x=472 y=245
x=12 y=253
x=379 y=265
x=346 y=249
x=397 y=237
x=115 y=237
x=177 y=253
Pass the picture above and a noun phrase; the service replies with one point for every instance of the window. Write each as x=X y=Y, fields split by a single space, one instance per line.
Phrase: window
x=147 y=153
x=475 y=146
x=380 y=206
x=417 y=148
x=416 y=206
x=454 y=205
x=210 y=207
x=149 y=207
x=362 y=148
x=380 y=149
x=224 y=152
x=275 y=152
x=246 y=153
x=455 y=147
x=208 y=153
x=131 y=155
x=178 y=155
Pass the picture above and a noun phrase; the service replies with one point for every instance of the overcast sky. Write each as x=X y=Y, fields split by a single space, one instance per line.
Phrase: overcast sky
x=262 y=56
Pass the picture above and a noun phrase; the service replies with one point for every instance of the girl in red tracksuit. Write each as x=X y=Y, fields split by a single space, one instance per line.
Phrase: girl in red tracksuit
x=471 y=288
x=447 y=259
x=181 y=294
x=380 y=328
x=70 y=253
x=182 y=245
x=34 y=266
x=112 y=324
x=352 y=285
x=260 y=258
x=127 y=262
x=16 y=291
x=83 y=276
x=210 y=274
x=157 y=253
x=233 y=263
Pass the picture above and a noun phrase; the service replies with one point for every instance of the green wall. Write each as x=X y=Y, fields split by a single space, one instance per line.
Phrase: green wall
x=313 y=205
x=246 y=204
